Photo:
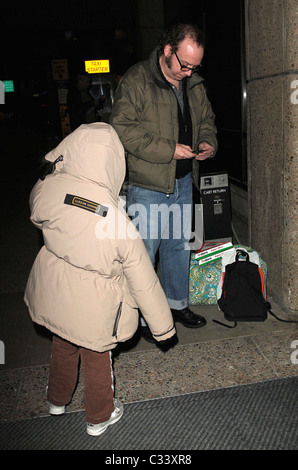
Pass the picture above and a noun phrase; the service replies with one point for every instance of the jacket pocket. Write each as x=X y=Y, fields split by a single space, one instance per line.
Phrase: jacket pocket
x=118 y=315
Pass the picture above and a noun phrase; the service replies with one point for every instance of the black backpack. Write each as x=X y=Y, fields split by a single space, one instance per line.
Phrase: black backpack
x=242 y=297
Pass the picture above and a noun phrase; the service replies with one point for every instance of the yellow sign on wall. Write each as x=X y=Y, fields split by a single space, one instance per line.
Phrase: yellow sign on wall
x=97 y=66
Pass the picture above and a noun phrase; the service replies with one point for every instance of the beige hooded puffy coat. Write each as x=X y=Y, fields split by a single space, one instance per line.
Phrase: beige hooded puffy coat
x=93 y=270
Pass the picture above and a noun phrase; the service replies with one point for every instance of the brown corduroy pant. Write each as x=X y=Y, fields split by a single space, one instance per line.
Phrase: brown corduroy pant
x=97 y=373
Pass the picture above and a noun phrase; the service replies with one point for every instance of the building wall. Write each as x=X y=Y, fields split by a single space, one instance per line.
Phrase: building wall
x=150 y=18
x=272 y=93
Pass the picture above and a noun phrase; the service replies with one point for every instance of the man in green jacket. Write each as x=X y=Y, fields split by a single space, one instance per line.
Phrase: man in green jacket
x=166 y=124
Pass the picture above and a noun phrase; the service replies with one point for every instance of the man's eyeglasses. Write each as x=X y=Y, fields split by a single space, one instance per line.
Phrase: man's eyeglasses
x=185 y=68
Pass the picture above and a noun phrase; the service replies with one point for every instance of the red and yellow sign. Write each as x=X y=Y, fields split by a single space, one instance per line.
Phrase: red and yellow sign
x=97 y=66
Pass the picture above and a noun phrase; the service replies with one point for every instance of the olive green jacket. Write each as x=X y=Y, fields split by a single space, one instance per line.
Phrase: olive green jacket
x=145 y=116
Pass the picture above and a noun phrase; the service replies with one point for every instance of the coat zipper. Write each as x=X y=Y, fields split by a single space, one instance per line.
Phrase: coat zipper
x=117 y=320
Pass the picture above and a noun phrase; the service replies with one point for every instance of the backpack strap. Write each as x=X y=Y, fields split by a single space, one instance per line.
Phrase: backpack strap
x=243 y=253
x=223 y=324
x=268 y=305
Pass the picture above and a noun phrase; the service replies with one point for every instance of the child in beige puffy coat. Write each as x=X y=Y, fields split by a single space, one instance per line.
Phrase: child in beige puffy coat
x=93 y=272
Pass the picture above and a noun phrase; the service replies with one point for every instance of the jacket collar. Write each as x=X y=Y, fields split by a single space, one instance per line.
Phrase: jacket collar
x=158 y=76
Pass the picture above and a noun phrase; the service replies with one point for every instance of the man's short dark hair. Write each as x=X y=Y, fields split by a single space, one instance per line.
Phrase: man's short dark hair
x=178 y=32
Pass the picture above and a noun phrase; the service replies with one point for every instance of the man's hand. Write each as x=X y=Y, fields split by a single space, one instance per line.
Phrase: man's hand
x=183 y=151
x=205 y=151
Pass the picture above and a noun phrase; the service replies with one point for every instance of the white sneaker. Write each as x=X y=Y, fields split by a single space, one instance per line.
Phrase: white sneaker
x=56 y=410
x=98 y=429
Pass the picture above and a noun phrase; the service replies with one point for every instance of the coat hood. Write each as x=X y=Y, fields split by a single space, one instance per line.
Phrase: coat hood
x=93 y=152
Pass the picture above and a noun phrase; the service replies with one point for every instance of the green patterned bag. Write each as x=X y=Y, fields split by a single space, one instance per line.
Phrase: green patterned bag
x=203 y=281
